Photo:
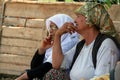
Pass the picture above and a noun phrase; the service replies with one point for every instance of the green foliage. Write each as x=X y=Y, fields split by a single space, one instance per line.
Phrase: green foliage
x=107 y=3
x=68 y=0
x=110 y=2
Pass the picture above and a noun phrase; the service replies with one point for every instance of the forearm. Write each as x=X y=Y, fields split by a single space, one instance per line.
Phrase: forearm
x=23 y=77
x=57 y=55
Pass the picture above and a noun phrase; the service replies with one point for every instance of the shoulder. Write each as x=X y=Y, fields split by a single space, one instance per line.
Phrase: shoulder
x=109 y=44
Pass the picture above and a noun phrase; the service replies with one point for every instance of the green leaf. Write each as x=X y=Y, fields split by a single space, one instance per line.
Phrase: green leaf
x=68 y=0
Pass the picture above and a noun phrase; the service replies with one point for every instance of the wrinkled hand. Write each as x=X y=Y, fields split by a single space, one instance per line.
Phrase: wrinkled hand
x=46 y=43
x=68 y=27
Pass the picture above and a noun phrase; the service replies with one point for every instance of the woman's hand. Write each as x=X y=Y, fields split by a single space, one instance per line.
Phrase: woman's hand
x=45 y=44
x=68 y=27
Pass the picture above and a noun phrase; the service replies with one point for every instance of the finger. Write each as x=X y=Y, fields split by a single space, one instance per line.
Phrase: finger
x=69 y=30
x=51 y=42
x=49 y=37
x=72 y=29
x=72 y=25
x=45 y=40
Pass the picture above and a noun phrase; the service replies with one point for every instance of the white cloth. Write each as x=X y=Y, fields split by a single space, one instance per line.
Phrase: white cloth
x=67 y=40
x=83 y=67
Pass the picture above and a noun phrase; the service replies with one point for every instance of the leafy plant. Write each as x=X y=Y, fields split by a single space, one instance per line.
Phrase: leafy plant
x=109 y=2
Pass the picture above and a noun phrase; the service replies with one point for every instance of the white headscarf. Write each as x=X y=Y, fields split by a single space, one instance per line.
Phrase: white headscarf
x=67 y=40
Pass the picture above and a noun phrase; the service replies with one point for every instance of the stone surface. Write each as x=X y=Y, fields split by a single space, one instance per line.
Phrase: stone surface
x=114 y=12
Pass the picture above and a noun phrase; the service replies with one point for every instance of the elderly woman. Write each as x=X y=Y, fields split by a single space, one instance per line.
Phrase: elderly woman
x=42 y=60
x=92 y=20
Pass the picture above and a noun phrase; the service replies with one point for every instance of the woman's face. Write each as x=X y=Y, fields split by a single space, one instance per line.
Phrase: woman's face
x=53 y=29
x=81 y=23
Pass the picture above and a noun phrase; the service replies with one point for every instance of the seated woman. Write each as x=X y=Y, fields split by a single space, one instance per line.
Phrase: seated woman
x=42 y=60
x=91 y=22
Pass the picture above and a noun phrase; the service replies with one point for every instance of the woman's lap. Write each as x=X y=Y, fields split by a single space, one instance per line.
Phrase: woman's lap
x=55 y=74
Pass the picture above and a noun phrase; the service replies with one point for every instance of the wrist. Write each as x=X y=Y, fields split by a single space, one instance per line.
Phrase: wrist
x=41 y=50
x=58 y=34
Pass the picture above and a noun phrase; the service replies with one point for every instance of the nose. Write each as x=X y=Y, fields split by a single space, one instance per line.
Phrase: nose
x=75 y=20
x=51 y=30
